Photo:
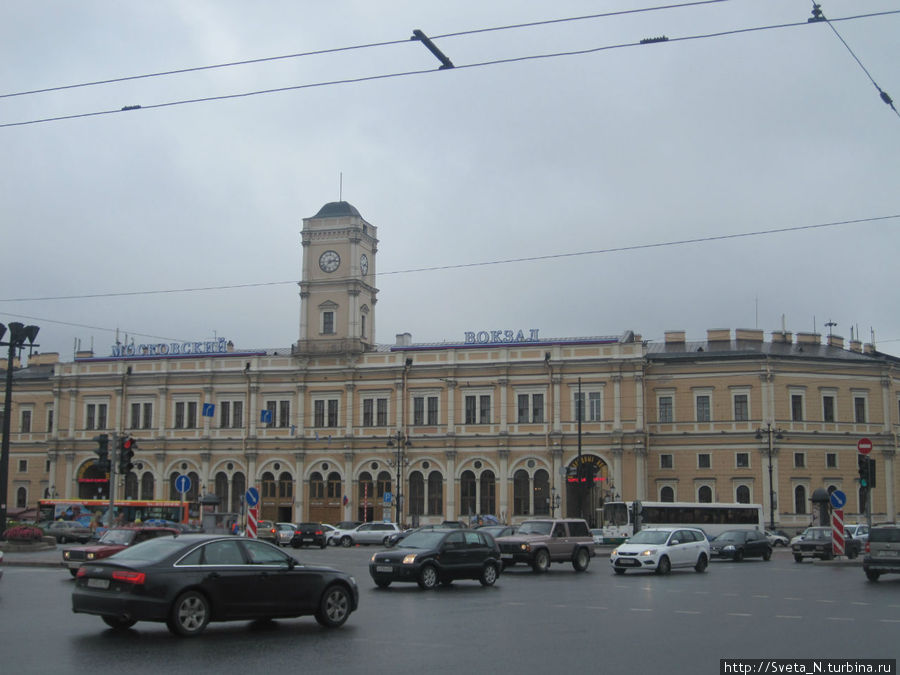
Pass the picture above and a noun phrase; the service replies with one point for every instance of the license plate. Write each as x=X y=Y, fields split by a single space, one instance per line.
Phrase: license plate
x=384 y=568
x=98 y=583
x=309 y=538
x=886 y=554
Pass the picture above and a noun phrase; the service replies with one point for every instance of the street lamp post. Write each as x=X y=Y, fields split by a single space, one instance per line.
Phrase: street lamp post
x=402 y=443
x=19 y=334
x=769 y=431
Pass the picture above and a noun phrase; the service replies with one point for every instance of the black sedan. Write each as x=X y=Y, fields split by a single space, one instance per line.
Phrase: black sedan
x=739 y=544
x=438 y=556
x=190 y=580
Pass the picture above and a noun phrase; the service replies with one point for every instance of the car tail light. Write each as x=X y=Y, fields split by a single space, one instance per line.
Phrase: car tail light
x=318 y=532
x=137 y=578
x=81 y=572
x=868 y=550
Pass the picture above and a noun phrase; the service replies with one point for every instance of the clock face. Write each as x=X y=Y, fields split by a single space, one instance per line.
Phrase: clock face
x=364 y=264
x=329 y=261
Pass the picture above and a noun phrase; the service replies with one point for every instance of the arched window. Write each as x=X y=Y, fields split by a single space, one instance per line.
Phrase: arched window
x=285 y=485
x=799 y=499
x=21 y=498
x=173 y=493
x=467 y=494
x=316 y=486
x=521 y=490
x=667 y=494
x=488 y=505
x=238 y=489
x=384 y=484
x=435 y=493
x=704 y=494
x=194 y=493
x=541 y=493
x=222 y=488
x=742 y=494
x=416 y=494
x=268 y=484
x=147 y=486
x=334 y=485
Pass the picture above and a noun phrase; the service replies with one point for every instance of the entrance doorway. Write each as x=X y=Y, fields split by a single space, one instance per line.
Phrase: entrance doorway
x=585 y=487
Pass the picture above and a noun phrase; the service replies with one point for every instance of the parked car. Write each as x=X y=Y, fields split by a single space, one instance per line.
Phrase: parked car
x=662 y=549
x=542 y=541
x=816 y=543
x=266 y=531
x=453 y=524
x=858 y=532
x=342 y=528
x=882 y=552
x=328 y=530
x=113 y=540
x=777 y=539
x=798 y=537
x=308 y=534
x=369 y=533
x=739 y=544
x=65 y=531
x=193 y=579
x=432 y=557
x=284 y=533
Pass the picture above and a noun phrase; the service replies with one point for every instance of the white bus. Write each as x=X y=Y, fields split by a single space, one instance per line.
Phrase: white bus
x=619 y=517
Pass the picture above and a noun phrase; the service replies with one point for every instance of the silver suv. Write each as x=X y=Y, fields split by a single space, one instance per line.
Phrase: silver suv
x=882 y=551
x=368 y=533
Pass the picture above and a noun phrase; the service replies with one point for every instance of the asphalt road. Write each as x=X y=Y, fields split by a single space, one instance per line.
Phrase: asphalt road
x=557 y=622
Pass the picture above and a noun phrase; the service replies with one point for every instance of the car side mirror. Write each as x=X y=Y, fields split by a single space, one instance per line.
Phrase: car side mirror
x=292 y=563
x=674 y=542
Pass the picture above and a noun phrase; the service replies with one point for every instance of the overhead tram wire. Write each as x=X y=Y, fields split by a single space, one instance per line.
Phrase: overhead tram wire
x=335 y=50
x=508 y=261
x=429 y=71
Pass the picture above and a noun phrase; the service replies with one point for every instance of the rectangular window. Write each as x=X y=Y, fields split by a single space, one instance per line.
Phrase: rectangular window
x=522 y=408
x=368 y=419
x=742 y=460
x=95 y=416
x=484 y=409
x=537 y=408
x=418 y=410
x=381 y=410
x=224 y=414
x=425 y=410
x=703 y=413
x=328 y=323
x=432 y=410
x=272 y=409
x=665 y=461
x=831 y=460
x=185 y=414
x=25 y=422
x=665 y=409
x=797 y=407
x=703 y=460
x=141 y=415
x=828 y=408
x=799 y=460
x=325 y=412
x=471 y=416
x=50 y=420
x=23 y=465
x=374 y=412
x=179 y=415
x=859 y=409
x=332 y=412
x=595 y=406
x=741 y=408
x=192 y=415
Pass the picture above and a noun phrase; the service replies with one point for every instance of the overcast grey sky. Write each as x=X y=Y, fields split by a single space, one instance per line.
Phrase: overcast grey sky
x=628 y=146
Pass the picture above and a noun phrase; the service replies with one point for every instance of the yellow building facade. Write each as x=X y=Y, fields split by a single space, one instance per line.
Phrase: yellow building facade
x=336 y=427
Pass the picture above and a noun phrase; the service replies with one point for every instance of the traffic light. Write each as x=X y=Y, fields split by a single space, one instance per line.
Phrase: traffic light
x=102 y=450
x=872 y=472
x=126 y=453
x=862 y=462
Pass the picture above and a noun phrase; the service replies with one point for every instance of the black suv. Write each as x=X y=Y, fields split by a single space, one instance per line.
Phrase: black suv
x=882 y=552
x=309 y=534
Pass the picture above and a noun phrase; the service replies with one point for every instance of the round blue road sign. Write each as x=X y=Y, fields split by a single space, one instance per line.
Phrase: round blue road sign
x=252 y=496
x=183 y=483
x=838 y=499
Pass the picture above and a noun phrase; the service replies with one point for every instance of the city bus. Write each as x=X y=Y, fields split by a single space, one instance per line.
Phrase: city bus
x=620 y=522
x=124 y=510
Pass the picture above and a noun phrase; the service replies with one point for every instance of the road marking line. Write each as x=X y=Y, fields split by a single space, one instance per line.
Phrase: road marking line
x=828 y=601
x=841 y=618
x=787 y=616
x=759 y=596
x=686 y=611
x=730 y=595
x=701 y=592
x=596 y=607
x=793 y=598
x=738 y=614
x=641 y=609
x=864 y=604
x=889 y=620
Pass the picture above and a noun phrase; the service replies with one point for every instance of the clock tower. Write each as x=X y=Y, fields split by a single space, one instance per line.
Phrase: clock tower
x=337 y=298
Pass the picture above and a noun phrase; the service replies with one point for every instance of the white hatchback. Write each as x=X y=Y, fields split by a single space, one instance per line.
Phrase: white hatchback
x=661 y=549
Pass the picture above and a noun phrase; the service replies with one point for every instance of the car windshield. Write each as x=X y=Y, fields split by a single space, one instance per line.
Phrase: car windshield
x=152 y=550
x=819 y=533
x=118 y=537
x=423 y=539
x=535 y=527
x=649 y=537
x=730 y=536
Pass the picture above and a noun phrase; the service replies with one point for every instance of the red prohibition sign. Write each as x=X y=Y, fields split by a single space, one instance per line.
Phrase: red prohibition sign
x=864 y=445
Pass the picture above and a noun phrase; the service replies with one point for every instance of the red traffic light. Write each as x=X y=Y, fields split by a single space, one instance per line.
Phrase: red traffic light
x=127 y=443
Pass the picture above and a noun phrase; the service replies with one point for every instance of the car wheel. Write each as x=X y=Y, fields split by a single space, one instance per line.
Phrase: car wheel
x=322 y=545
x=382 y=583
x=428 y=578
x=828 y=555
x=541 y=561
x=346 y=542
x=851 y=552
x=739 y=555
x=663 y=566
x=767 y=554
x=619 y=570
x=334 y=607
x=798 y=558
x=488 y=575
x=581 y=560
x=118 y=622
x=872 y=575
x=702 y=563
x=189 y=615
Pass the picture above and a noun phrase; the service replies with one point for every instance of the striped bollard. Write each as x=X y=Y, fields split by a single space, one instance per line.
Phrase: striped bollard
x=251 y=522
x=837 y=531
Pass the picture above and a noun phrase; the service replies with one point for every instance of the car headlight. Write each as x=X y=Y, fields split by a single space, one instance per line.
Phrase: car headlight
x=90 y=556
x=409 y=559
x=372 y=559
x=65 y=555
x=648 y=552
x=525 y=547
x=615 y=551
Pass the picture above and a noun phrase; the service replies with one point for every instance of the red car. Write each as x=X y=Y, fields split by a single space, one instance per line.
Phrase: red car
x=113 y=540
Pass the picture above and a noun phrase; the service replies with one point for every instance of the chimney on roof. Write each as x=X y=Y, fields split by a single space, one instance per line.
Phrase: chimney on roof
x=836 y=341
x=782 y=337
x=45 y=359
x=718 y=335
x=404 y=339
x=748 y=334
x=808 y=338
x=856 y=346
x=674 y=337
x=869 y=348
